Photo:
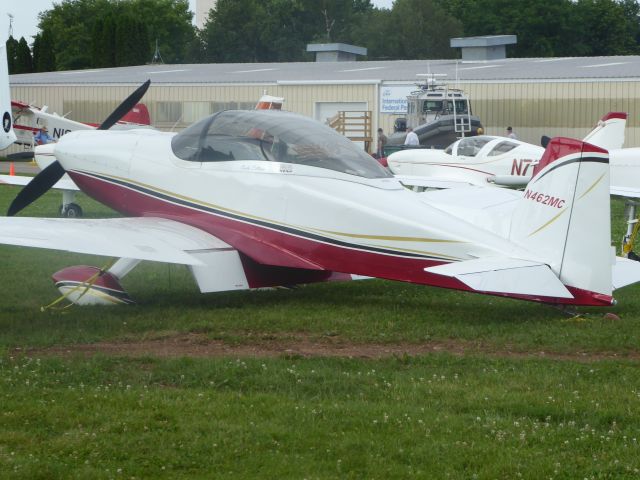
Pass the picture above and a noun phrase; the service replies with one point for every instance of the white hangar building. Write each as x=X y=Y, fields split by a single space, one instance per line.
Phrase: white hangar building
x=537 y=96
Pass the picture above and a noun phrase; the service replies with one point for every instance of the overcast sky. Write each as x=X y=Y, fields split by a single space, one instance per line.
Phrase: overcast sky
x=25 y=15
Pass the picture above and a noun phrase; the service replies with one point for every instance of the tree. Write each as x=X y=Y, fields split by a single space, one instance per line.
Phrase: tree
x=168 y=22
x=24 y=61
x=132 y=42
x=12 y=53
x=423 y=30
x=232 y=32
x=376 y=31
x=277 y=30
x=604 y=27
x=559 y=28
x=44 y=59
x=103 y=42
x=333 y=19
x=84 y=31
x=71 y=23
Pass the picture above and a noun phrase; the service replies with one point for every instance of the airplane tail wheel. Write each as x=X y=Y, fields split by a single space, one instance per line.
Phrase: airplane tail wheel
x=72 y=210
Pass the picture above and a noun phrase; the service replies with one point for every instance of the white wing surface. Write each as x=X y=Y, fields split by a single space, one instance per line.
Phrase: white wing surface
x=154 y=239
x=64 y=183
x=505 y=275
x=625 y=272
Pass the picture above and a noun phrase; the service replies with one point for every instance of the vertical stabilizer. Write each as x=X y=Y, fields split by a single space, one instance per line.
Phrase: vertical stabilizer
x=609 y=132
x=564 y=215
x=139 y=115
x=7 y=135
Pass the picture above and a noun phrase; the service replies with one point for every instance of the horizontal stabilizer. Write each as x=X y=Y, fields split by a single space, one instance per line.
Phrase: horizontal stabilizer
x=625 y=272
x=627 y=192
x=431 y=182
x=505 y=275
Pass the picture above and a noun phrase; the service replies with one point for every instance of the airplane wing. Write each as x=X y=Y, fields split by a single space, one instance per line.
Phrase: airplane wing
x=19 y=105
x=215 y=265
x=153 y=239
x=627 y=192
x=505 y=275
x=62 y=184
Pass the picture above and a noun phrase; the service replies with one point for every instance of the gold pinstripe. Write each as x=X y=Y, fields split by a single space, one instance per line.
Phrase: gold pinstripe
x=558 y=215
x=592 y=186
x=310 y=230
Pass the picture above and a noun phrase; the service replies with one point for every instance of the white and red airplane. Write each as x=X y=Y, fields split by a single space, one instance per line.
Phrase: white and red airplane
x=503 y=161
x=259 y=198
x=28 y=119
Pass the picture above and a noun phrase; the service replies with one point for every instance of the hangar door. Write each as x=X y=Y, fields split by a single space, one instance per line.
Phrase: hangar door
x=325 y=111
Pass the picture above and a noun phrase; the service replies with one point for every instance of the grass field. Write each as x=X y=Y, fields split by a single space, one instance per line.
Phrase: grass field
x=369 y=379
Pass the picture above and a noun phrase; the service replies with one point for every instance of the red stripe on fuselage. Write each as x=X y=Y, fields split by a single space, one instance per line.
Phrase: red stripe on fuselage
x=22 y=127
x=276 y=248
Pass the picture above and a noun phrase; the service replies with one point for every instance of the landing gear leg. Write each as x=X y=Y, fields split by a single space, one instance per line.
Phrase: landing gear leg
x=69 y=208
x=632 y=230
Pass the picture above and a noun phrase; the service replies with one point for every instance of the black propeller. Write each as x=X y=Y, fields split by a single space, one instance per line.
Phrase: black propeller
x=20 y=157
x=48 y=177
x=125 y=106
x=544 y=141
x=37 y=187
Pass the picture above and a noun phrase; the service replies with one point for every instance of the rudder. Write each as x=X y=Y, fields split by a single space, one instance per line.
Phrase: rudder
x=564 y=215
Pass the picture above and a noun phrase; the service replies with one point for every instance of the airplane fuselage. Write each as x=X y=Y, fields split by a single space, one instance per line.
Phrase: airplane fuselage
x=281 y=214
x=476 y=160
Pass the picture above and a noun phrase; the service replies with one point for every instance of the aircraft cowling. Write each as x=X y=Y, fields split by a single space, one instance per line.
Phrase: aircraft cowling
x=87 y=285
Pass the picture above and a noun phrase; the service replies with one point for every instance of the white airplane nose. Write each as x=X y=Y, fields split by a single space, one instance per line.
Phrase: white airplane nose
x=96 y=150
x=44 y=155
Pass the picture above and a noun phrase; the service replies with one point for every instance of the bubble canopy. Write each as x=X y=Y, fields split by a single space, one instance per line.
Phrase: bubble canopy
x=273 y=136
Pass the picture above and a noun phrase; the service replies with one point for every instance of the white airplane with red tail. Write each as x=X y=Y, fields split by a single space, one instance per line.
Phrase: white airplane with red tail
x=251 y=199
x=503 y=161
x=29 y=119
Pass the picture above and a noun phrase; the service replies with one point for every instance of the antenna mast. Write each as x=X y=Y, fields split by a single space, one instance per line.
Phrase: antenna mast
x=10 y=15
x=157 y=58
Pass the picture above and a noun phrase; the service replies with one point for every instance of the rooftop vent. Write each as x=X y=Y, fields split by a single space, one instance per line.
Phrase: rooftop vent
x=490 y=47
x=335 y=52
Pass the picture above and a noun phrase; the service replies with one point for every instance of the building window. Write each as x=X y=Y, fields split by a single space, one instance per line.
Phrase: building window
x=168 y=112
x=194 y=111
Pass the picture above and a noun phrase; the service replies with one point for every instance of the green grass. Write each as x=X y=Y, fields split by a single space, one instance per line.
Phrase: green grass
x=427 y=417
x=480 y=415
x=367 y=311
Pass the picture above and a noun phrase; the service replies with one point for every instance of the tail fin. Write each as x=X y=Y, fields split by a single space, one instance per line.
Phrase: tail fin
x=609 y=131
x=138 y=114
x=7 y=135
x=564 y=216
x=268 y=102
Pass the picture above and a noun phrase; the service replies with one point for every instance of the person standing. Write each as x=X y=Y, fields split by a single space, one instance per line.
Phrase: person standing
x=43 y=137
x=412 y=138
x=511 y=133
x=382 y=141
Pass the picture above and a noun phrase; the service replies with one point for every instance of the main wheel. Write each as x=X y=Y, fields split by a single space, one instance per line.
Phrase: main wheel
x=72 y=210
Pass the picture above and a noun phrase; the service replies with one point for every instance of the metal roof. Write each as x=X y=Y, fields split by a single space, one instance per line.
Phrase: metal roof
x=617 y=68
